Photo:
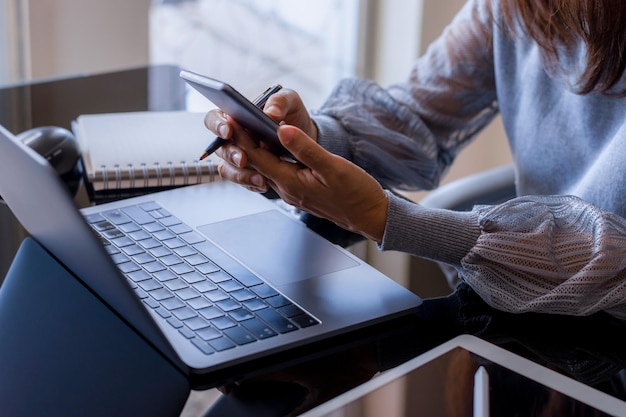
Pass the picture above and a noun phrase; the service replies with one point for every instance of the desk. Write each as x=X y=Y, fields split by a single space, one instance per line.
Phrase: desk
x=590 y=350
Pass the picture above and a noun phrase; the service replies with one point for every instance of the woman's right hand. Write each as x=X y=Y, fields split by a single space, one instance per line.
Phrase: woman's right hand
x=284 y=107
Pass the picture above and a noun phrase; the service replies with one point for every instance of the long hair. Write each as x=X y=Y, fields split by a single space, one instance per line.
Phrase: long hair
x=557 y=25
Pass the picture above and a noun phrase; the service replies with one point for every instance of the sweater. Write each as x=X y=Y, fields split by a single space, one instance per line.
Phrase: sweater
x=560 y=247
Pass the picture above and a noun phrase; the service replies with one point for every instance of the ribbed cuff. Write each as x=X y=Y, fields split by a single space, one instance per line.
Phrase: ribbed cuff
x=436 y=234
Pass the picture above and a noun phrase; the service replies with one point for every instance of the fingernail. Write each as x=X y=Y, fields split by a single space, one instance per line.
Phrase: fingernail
x=223 y=130
x=273 y=111
x=257 y=180
x=236 y=157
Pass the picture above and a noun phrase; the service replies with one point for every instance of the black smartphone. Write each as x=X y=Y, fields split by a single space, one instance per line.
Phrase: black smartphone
x=233 y=103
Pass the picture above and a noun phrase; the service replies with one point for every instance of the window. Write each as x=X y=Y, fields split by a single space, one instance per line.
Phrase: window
x=306 y=46
x=13 y=41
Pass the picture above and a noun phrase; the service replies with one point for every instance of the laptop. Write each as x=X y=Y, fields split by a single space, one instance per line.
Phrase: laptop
x=211 y=275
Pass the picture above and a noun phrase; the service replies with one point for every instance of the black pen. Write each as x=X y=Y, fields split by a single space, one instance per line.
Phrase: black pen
x=259 y=102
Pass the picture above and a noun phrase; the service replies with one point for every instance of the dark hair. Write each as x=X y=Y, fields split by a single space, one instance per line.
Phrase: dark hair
x=558 y=24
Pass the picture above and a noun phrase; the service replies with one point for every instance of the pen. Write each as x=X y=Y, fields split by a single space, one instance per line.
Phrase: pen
x=258 y=102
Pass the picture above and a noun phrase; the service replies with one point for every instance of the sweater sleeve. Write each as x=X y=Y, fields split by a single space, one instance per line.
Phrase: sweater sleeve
x=407 y=135
x=546 y=254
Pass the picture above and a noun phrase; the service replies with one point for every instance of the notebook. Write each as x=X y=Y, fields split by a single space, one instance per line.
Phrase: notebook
x=134 y=152
x=259 y=254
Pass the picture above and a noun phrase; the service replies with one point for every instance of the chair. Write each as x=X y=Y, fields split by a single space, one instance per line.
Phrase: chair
x=493 y=186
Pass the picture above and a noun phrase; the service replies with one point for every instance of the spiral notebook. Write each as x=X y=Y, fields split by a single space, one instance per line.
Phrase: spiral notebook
x=127 y=154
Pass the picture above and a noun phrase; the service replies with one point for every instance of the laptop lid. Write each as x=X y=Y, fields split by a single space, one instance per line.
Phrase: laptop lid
x=243 y=228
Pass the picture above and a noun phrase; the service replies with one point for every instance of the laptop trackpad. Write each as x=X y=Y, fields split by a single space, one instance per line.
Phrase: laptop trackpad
x=277 y=248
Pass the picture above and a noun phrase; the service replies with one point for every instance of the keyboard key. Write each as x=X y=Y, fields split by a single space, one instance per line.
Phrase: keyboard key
x=189 y=334
x=150 y=284
x=185 y=251
x=176 y=284
x=129 y=227
x=151 y=302
x=153 y=227
x=192 y=238
x=223 y=322
x=228 y=305
x=116 y=217
x=139 y=234
x=196 y=323
x=132 y=250
x=128 y=267
x=259 y=329
x=264 y=291
x=193 y=277
x=164 y=275
x=218 y=276
x=278 y=322
x=204 y=286
x=199 y=303
x=239 y=335
x=164 y=235
x=254 y=304
x=196 y=259
x=277 y=301
x=163 y=312
x=154 y=266
x=242 y=295
x=207 y=268
x=120 y=242
x=181 y=268
x=187 y=294
x=210 y=313
x=160 y=251
x=184 y=313
x=173 y=243
x=150 y=243
x=290 y=310
x=138 y=214
x=143 y=258
x=172 y=303
x=230 y=285
x=221 y=343
x=304 y=320
x=216 y=295
x=208 y=333
x=180 y=228
x=170 y=260
x=113 y=233
x=203 y=346
x=241 y=314
x=161 y=294
x=175 y=323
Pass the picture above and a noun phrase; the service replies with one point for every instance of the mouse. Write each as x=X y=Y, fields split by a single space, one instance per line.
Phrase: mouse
x=60 y=148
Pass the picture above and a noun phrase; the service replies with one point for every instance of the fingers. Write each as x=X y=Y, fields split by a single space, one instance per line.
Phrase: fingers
x=305 y=149
x=216 y=122
x=248 y=178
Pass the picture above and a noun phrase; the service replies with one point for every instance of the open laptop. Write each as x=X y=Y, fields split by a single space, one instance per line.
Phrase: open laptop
x=211 y=275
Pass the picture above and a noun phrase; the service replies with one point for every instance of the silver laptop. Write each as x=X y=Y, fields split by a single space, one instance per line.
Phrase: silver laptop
x=211 y=275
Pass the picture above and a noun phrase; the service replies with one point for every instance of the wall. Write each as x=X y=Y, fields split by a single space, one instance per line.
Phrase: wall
x=72 y=37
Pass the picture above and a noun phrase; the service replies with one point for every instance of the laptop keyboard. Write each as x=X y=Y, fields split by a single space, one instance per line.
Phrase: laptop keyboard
x=203 y=293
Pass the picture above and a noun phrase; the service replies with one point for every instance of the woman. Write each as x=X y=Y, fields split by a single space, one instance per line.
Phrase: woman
x=554 y=70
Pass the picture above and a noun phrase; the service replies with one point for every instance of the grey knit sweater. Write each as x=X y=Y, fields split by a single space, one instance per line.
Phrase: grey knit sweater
x=561 y=248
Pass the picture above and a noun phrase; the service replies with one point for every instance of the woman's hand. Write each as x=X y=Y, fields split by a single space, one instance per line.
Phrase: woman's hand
x=283 y=107
x=322 y=184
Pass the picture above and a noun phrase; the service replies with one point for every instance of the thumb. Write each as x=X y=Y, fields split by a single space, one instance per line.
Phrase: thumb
x=305 y=149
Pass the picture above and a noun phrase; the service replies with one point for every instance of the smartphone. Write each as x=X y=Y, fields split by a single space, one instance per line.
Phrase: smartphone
x=234 y=104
